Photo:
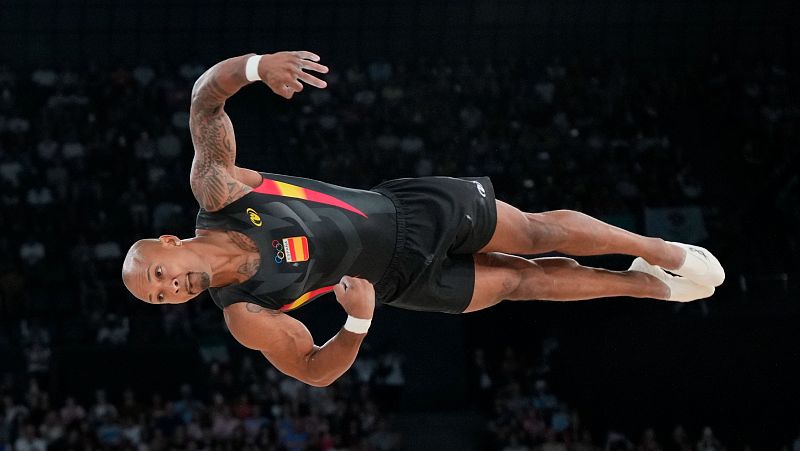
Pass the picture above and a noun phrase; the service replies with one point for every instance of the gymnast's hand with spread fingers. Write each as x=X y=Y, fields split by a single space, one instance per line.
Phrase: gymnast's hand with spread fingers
x=357 y=297
x=283 y=72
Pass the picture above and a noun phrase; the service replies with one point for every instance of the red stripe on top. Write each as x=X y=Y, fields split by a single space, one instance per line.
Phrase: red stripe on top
x=306 y=298
x=315 y=196
x=270 y=187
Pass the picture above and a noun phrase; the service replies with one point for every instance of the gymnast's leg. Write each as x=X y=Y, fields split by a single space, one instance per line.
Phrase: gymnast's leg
x=501 y=276
x=574 y=233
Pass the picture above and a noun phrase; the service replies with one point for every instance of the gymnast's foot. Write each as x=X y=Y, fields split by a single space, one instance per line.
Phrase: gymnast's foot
x=699 y=266
x=681 y=289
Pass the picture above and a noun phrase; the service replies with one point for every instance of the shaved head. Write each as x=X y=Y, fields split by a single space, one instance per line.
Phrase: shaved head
x=162 y=271
x=135 y=260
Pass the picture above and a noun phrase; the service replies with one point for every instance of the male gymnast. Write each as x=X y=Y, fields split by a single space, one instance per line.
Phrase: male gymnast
x=267 y=243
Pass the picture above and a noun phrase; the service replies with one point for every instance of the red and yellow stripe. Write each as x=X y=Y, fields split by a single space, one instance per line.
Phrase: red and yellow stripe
x=277 y=188
x=306 y=298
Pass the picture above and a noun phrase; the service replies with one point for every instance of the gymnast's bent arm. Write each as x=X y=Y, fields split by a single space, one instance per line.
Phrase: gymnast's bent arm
x=288 y=345
x=215 y=180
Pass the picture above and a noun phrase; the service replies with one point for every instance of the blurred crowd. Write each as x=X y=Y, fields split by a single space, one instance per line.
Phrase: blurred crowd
x=241 y=406
x=524 y=414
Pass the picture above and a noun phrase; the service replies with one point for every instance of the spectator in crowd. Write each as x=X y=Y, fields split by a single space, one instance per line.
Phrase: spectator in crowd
x=72 y=412
x=708 y=442
x=113 y=331
x=29 y=439
x=102 y=411
x=679 y=440
x=648 y=442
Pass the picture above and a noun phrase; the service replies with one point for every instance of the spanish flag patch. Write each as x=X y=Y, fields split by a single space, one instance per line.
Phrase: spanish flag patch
x=296 y=249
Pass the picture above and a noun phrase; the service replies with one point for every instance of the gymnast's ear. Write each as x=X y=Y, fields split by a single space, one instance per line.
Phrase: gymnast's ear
x=170 y=240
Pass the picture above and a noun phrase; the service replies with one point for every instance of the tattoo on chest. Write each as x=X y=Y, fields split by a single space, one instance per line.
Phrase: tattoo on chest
x=242 y=241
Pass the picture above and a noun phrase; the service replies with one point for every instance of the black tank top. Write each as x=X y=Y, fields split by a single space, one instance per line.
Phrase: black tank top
x=309 y=235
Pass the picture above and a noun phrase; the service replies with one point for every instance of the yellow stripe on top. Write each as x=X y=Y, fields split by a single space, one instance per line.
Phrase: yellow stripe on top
x=306 y=298
x=276 y=188
x=291 y=190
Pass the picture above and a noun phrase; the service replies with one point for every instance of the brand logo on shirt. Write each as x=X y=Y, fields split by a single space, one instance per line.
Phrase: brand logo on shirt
x=481 y=191
x=254 y=217
x=296 y=248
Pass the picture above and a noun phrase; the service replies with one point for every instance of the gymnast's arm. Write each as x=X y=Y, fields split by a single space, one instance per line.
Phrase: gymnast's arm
x=215 y=180
x=288 y=345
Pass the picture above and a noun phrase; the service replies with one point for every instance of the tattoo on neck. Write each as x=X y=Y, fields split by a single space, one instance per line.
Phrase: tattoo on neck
x=250 y=267
x=242 y=241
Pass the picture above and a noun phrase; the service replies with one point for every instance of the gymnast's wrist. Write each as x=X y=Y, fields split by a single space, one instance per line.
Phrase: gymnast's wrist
x=357 y=325
x=251 y=68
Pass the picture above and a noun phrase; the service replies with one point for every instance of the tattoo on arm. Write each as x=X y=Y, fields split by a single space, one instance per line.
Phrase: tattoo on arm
x=253 y=308
x=207 y=95
x=212 y=179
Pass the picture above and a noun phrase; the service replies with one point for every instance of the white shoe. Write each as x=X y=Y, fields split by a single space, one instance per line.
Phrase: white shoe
x=680 y=289
x=700 y=266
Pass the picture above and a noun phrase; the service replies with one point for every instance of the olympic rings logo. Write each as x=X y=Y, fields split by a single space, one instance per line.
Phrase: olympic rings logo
x=279 y=254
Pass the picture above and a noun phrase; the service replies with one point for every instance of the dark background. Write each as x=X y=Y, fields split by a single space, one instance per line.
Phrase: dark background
x=154 y=31
x=624 y=364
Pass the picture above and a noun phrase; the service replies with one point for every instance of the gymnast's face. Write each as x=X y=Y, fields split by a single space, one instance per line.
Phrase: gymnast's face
x=163 y=271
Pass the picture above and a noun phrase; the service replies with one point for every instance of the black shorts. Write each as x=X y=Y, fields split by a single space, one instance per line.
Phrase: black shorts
x=441 y=222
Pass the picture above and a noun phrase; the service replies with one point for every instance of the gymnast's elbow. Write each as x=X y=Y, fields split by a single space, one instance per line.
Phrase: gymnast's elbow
x=320 y=383
x=312 y=378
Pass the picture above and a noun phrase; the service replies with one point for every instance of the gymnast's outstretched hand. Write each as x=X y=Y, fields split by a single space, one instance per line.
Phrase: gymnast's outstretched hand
x=283 y=72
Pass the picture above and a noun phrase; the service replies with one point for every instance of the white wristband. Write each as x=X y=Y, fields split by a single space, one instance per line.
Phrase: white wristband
x=357 y=325
x=251 y=68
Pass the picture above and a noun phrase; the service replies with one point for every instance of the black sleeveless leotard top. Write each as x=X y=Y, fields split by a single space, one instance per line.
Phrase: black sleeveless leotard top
x=309 y=235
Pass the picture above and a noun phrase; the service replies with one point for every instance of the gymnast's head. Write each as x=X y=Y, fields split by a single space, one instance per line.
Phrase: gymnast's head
x=164 y=271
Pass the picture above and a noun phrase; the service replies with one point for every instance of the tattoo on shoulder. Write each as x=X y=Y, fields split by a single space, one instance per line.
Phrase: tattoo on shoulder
x=242 y=241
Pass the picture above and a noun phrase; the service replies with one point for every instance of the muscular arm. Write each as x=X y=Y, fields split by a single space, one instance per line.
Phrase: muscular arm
x=214 y=178
x=286 y=342
x=288 y=345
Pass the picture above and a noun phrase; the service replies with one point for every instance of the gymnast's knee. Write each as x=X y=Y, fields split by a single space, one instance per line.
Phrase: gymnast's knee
x=529 y=281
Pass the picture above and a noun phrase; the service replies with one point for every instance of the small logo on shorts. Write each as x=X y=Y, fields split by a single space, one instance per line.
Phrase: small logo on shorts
x=254 y=217
x=481 y=191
